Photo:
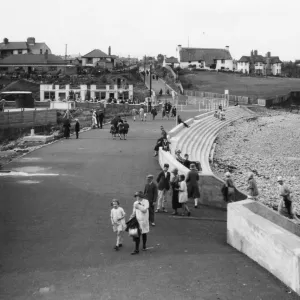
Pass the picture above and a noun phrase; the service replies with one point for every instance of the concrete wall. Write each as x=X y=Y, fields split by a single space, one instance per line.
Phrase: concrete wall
x=255 y=230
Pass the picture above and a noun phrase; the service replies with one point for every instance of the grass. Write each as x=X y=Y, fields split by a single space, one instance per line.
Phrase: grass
x=254 y=87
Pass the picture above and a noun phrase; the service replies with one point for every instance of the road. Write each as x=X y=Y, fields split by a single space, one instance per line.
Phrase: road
x=56 y=233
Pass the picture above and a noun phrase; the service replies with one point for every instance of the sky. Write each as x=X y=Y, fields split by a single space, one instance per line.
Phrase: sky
x=140 y=27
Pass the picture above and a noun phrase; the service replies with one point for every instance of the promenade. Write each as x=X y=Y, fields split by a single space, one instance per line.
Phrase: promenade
x=56 y=231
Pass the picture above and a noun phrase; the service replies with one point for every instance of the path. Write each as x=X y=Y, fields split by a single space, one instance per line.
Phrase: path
x=56 y=231
x=156 y=85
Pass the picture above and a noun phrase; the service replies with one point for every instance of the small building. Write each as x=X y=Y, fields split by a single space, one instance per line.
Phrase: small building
x=99 y=58
x=85 y=92
x=8 y=48
x=258 y=64
x=205 y=58
x=170 y=61
x=33 y=62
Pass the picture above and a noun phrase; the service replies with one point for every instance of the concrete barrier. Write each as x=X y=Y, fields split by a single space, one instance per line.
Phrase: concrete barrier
x=176 y=130
x=268 y=238
x=62 y=105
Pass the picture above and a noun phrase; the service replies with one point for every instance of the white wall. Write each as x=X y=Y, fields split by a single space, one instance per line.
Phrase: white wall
x=228 y=63
x=243 y=66
x=276 y=69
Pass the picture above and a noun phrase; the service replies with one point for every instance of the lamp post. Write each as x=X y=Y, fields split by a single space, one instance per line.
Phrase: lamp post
x=150 y=87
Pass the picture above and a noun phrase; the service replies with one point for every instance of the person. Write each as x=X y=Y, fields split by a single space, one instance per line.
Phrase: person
x=175 y=192
x=94 y=119
x=183 y=195
x=151 y=193
x=179 y=121
x=142 y=111
x=2 y=104
x=134 y=113
x=186 y=161
x=287 y=211
x=145 y=116
x=160 y=92
x=163 y=185
x=117 y=216
x=252 y=187
x=100 y=118
x=113 y=131
x=228 y=188
x=153 y=112
x=67 y=126
x=159 y=143
x=192 y=180
x=285 y=193
x=126 y=129
x=77 y=128
x=141 y=212
x=121 y=130
x=165 y=144
x=163 y=113
x=174 y=111
x=222 y=115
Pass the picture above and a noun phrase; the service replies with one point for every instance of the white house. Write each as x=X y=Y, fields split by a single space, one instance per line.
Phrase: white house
x=258 y=64
x=99 y=58
x=205 y=58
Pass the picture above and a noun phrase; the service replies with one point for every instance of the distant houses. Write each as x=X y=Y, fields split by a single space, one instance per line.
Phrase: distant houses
x=8 y=48
x=258 y=64
x=170 y=61
x=99 y=58
x=205 y=58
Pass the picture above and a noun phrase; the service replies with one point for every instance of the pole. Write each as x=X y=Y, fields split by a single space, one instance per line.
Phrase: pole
x=145 y=69
x=150 y=81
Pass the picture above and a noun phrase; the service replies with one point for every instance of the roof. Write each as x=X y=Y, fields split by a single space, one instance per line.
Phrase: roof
x=171 y=60
x=13 y=46
x=32 y=59
x=37 y=46
x=259 y=58
x=204 y=54
x=96 y=53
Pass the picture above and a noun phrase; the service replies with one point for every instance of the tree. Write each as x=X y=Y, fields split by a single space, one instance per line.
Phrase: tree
x=160 y=58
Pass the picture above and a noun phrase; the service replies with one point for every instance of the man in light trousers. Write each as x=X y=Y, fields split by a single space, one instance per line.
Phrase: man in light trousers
x=163 y=185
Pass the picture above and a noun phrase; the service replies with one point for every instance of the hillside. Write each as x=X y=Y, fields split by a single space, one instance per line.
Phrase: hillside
x=239 y=85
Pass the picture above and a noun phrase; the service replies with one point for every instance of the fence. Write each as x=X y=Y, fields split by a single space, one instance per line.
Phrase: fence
x=27 y=118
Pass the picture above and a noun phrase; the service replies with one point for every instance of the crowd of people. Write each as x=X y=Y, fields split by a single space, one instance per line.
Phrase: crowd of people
x=119 y=127
x=220 y=113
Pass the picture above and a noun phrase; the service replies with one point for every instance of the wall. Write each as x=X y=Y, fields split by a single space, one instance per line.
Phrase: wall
x=27 y=118
x=276 y=69
x=273 y=247
x=243 y=66
x=227 y=64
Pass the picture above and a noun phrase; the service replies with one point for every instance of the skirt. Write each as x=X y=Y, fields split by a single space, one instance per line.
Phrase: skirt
x=121 y=226
x=183 y=197
x=193 y=191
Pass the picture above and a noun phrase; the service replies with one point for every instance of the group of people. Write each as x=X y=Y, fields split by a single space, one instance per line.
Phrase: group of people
x=285 y=206
x=119 y=127
x=67 y=128
x=154 y=200
x=185 y=160
x=162 y=142
x=220 y=113
x=97 y=118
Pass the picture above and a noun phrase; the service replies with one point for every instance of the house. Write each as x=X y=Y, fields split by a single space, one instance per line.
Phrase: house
x=99 y=58
x=33 y=62
x=205 y=58
x=13 y=48
x=258 y=64
x=171 y=61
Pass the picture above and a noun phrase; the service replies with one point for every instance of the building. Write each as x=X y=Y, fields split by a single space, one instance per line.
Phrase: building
x=99 y=58
x=258 y=64
x=13 y=48
x=205 y=58
x=170 y=61
x=32 y=62
x=85 y=92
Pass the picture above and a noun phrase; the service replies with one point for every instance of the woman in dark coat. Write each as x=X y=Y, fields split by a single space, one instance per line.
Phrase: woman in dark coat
x=192 y=182
x=175 y=193
x=67 y=126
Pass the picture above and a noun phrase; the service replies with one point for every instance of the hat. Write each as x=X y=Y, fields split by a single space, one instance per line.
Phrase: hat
x=227 y=174
x=150 y=176
x=192 y=166
x=166 y=166
x=139 y=194
x=279 y=178
x=174 y=170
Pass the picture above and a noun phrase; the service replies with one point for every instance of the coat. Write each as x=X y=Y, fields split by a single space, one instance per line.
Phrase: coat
x=192 y=179
x=141 y=212
x=151 y=192
x=163 y=182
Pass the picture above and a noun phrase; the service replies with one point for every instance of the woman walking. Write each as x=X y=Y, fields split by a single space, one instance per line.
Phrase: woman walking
x=229 y=191
x=183 y=195
x=67 y=126
x=175 y=192
x=141 y=212
x=252 y=187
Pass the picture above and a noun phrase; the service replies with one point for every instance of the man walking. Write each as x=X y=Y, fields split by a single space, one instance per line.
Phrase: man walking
x=163 y=184
x=150 y=193
x=100 y=117
x=192 y=181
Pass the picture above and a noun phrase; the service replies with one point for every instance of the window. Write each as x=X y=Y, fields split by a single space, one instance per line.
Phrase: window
x=19 y=51
x=223 y=61
x=49 y=95
x=41 y=51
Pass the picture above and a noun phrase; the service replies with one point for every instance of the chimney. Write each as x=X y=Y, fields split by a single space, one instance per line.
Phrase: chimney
x=269 y=54
x=5 y=41
x=46 y=54
x=255 y=52
x=109 y=50
x=31 y=41
x=251 y=54
x=179 y=47
x=227 y=48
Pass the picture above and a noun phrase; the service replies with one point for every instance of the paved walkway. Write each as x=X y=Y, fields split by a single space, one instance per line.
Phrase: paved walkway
x=56 y=233
x=156 y=85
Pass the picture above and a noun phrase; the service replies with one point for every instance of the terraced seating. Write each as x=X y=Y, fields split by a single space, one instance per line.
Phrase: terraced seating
x=199 y=140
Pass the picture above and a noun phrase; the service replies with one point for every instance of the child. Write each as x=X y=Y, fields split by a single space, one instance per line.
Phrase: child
x=183 y=195
x=134 y=113
x=113 y=131
x=126 y=128
x=121 y=130
x=77 y=128
x=117 y=216
x=145 y=117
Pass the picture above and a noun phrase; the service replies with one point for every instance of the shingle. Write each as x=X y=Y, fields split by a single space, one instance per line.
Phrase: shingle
x=13 y=46
x=32 y=59
x=96 y=53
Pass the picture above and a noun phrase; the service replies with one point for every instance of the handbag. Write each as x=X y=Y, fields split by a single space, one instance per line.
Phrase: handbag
x=133 y=232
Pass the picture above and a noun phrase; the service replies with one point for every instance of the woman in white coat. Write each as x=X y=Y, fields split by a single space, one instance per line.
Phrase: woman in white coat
x=141 y=212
